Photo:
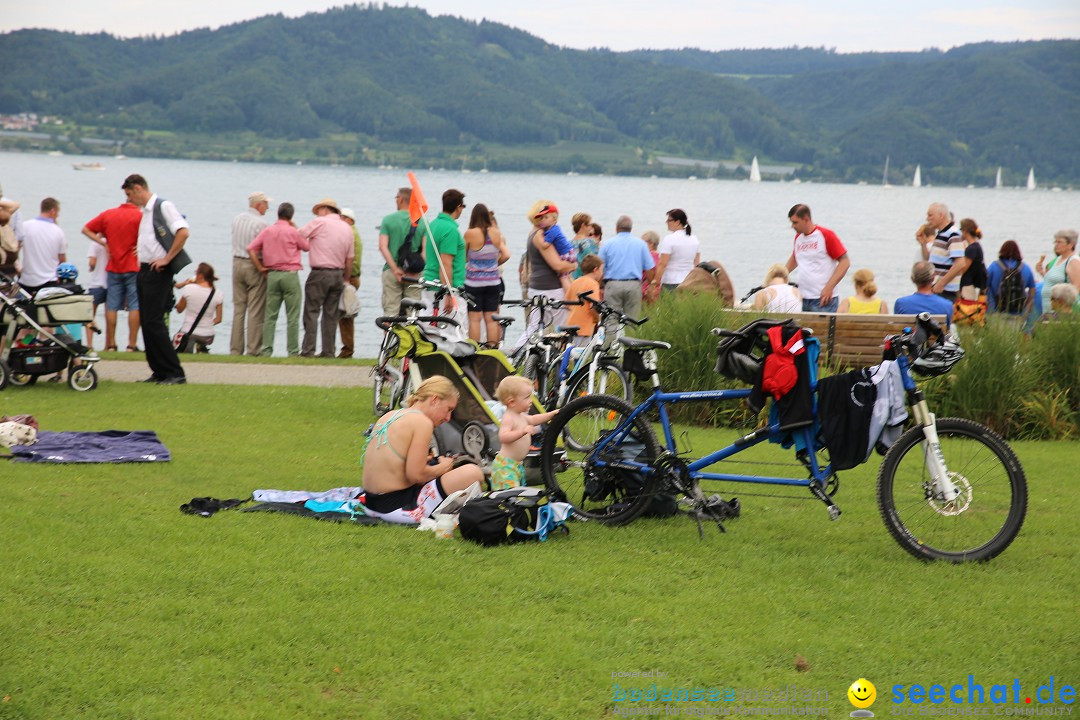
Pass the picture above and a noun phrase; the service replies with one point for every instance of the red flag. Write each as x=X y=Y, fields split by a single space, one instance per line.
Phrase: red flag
x=417 y=204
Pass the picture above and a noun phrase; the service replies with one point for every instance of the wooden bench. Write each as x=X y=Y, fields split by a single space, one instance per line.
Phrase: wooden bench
x=854 y=340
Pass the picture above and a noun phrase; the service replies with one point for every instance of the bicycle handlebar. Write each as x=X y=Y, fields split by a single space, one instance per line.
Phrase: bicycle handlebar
x=606 y=310
x=542 y=301
x=384 y=322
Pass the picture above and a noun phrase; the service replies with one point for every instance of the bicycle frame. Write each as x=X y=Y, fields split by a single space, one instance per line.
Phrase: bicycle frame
x=660 y=400
x=941 y=486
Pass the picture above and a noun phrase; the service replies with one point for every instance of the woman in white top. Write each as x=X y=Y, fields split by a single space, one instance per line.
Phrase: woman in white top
x=777 y=296
x=194 y=293
x=679 y=252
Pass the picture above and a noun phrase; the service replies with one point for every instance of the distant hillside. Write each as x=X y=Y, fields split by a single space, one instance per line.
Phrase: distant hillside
x=977 y=107
x=780 y=61
x=399 y=76
x=393 y=74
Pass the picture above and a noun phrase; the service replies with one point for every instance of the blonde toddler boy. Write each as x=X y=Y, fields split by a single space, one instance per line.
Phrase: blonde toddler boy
x=515 y=432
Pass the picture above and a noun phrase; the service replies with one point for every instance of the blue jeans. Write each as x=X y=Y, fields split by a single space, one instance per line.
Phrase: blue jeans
x=816 y=306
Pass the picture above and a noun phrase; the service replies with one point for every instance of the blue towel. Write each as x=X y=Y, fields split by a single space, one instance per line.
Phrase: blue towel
x=110 y=446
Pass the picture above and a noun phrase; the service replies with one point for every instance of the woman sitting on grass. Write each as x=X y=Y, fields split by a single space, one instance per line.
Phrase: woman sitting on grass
x=400 y=486
x=865 y=300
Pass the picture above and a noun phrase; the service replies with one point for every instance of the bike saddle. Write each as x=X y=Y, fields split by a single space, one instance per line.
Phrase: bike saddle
x=639 y=344
x=410 y=304
x=503 y=319
x=570 y=330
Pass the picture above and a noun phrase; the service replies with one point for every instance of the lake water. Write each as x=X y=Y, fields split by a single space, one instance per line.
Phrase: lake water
x=741 y=224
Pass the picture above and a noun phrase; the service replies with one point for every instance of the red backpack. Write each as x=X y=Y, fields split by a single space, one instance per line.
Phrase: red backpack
x=779 y=373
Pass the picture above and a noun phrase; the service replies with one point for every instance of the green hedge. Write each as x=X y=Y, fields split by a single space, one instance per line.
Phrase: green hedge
x=1022 y=386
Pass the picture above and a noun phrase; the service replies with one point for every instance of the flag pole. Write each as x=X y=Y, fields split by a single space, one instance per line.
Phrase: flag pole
x=422 y=207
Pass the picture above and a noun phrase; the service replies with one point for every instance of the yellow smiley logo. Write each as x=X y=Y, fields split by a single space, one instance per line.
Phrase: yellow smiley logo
x=862 y=693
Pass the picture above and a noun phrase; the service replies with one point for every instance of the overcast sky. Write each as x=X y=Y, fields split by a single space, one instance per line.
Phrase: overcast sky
x=847 y=25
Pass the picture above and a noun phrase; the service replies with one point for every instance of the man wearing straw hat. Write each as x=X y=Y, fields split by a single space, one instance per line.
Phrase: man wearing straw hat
x=331 y=256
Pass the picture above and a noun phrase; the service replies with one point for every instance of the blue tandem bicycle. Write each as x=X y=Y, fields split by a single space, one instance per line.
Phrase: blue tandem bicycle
x=948 y=488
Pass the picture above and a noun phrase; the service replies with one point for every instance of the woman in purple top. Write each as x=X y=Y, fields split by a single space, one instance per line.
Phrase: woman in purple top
x=485 y=251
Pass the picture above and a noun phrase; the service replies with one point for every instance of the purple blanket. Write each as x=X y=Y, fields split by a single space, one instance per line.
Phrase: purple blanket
x=110 y=446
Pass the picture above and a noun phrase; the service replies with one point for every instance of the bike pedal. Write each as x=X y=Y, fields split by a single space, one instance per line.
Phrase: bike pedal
x=834 y=512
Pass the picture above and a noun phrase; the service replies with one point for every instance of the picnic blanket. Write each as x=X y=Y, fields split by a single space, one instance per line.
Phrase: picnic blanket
x=109 y=446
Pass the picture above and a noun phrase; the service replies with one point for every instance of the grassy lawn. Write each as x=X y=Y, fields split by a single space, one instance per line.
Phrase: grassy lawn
x=117 y=605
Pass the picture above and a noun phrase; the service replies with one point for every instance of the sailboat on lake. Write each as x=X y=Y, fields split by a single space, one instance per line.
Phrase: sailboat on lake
x=885 y=175
x=1031 y=179
x=997 y=180
x=917 y=180
x=755 y=171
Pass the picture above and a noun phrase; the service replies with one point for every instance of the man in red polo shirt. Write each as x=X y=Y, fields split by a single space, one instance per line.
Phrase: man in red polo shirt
x=118 y=230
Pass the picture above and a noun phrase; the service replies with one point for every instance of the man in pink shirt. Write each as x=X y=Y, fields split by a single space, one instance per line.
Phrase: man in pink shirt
x=275 y=253
x=822 y=261
x=331 y=255
x=118 y=230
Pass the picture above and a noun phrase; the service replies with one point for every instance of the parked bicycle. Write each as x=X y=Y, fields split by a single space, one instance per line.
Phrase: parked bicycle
x=947 y=489
x=402 y=339
x=537 y=357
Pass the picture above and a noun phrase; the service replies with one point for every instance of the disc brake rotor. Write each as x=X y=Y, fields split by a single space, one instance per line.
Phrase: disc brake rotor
x=958 y=504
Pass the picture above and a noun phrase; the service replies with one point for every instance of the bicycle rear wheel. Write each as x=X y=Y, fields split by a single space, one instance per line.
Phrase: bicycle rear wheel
x=610 y=495
x=981 y=521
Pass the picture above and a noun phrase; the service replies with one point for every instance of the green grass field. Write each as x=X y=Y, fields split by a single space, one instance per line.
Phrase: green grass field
x=116 y=605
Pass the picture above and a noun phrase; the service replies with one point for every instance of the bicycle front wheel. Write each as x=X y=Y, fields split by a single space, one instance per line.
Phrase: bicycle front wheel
x=607 y=380
x=981 y=521
x=584 y=477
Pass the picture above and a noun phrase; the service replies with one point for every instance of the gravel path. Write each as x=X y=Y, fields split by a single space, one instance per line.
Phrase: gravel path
x=241 y=374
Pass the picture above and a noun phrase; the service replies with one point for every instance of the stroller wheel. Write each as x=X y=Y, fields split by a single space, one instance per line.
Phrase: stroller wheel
x=22 y=379
x=474 y=439
x=82 y=379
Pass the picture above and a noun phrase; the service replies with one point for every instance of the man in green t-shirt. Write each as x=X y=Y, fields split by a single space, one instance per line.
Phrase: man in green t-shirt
x=392 y=233
x=449 y=250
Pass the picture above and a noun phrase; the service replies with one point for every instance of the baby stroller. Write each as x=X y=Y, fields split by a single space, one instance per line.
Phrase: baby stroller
x=43 y=349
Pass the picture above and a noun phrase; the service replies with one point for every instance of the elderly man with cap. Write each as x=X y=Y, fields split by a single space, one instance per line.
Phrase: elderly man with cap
x=331 y=255
x=249 y=285
x=347 y=325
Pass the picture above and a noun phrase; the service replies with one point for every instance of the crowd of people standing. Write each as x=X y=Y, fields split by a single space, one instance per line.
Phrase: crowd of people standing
x=138 y=248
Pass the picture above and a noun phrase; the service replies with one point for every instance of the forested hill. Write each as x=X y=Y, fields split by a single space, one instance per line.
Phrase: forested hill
x=398 y=75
